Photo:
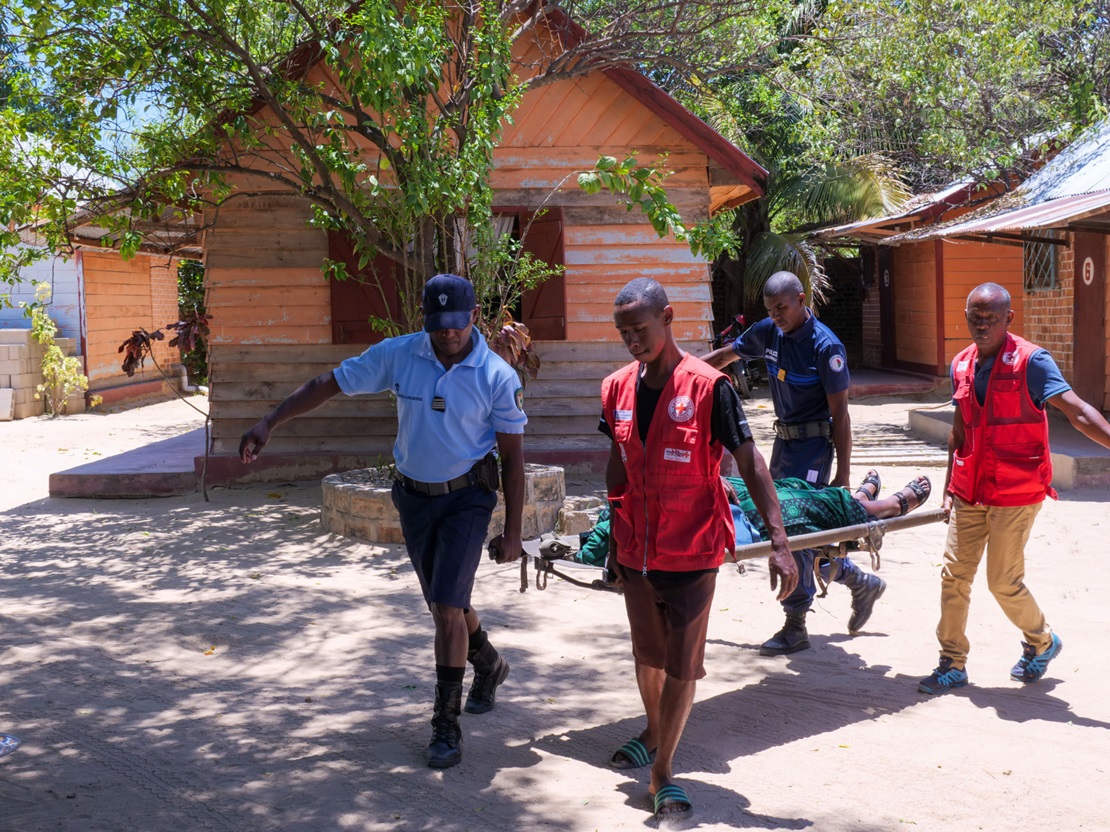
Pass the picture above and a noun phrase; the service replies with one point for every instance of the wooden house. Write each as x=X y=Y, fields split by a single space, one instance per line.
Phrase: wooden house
x=278 y=321
x=97 y=300
x=922 y=263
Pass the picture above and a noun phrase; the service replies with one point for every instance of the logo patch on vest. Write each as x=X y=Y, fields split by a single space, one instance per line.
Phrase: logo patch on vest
x=1009 y=357
x=961 y=366
x=836 y=363
x=681 y=409
x=622 y=415
x=676 y=455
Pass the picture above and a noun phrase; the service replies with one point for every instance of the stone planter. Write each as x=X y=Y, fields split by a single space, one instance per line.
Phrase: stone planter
x=359 y=504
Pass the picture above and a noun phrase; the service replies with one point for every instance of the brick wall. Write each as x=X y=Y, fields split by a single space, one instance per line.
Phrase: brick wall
x=1049 y=314
x=843 y=311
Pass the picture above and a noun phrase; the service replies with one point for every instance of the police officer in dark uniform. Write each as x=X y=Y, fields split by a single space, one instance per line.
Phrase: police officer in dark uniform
x=459 y=408
x=808 y=371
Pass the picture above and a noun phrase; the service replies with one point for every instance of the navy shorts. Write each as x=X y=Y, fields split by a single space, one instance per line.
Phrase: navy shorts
x=444 y=537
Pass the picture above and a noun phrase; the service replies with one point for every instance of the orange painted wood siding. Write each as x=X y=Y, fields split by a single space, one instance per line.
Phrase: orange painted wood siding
x=263 y=275
x=121 y=296
x=967 y=265
x=915 y=316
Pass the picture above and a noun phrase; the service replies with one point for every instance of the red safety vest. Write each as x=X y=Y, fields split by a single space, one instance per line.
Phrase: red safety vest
x=673 y=514
x=1005 y=459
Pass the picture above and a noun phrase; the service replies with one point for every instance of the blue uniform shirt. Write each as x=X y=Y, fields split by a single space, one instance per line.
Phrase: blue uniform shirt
x=804 y=367
x=479 y=396
x=1042 y=377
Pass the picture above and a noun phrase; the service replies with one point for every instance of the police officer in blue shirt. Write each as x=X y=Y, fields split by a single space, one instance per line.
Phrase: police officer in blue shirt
x=808 y=371
x=456 y=402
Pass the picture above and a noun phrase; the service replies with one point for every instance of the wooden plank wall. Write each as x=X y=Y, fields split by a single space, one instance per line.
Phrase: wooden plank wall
x=120 y=297
x=271 y=315
x=247 y=381
x=561 y=130
x=63 y=276
x=271 y=327
x=913 y=271
x=966 y=265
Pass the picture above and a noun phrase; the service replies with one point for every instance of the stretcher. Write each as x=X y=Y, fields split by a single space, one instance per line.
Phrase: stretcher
x=868 y=537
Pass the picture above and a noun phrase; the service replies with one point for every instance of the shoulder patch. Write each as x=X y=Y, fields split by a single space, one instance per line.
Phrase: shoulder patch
x=518 y=397
x=836 y=362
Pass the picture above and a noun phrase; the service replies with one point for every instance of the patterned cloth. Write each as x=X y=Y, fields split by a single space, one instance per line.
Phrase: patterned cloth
x=805 y=509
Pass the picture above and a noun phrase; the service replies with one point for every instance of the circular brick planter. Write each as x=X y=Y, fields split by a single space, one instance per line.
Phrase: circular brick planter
x=359 y=504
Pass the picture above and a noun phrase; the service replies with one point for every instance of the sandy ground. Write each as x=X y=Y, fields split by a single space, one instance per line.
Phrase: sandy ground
x=172 y=664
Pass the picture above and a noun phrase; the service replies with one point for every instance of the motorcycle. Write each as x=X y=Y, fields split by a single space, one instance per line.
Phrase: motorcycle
x=745 y=373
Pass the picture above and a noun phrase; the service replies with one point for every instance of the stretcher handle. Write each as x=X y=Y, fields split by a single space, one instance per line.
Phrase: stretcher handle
x=816 y=540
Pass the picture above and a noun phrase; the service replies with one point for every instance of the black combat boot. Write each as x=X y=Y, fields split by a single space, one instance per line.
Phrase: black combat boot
x=445 y=749
x=866 y=590
x=790 y=639
x=490 y=670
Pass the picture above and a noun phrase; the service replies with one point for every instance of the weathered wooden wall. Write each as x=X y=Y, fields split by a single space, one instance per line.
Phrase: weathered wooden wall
x=271 y=327
x=121 y=296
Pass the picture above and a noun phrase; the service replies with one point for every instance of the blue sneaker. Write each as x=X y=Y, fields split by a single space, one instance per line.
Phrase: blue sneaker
x=1032 y=665
x=943 y=679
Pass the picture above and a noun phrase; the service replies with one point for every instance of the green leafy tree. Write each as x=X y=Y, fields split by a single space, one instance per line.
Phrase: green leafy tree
x=383 y=116
x=952 y=89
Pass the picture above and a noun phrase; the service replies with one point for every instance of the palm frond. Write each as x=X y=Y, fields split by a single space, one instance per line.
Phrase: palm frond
x=838 y=192
x=771 y=252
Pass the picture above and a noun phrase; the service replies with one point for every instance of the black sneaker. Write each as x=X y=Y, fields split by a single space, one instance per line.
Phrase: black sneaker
x=943 y=679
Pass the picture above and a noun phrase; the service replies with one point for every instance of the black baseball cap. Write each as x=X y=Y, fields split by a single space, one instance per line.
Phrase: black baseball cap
x=448 y=302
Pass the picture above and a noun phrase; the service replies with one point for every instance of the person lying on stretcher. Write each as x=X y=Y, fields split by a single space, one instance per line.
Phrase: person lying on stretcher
x=805 y=509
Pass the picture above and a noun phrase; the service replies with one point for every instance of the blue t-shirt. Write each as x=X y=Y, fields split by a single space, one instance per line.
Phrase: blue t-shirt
x=804 y=367
x=446 y=419
x=1042 y=377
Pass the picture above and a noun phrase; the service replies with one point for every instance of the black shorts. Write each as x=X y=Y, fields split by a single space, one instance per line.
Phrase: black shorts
x=668 y=616
x=444 y=537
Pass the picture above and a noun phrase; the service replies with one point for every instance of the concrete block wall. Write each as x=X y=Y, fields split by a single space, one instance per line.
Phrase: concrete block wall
x=21 y=372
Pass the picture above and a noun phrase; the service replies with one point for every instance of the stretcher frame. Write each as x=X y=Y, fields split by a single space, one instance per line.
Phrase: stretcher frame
x=868 y=535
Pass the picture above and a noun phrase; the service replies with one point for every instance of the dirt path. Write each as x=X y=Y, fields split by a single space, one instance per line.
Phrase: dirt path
x=173 y=664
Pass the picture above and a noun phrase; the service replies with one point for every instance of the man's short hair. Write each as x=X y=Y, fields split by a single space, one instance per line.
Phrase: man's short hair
x=643 y=290
x=782 y=283
x=994 y=293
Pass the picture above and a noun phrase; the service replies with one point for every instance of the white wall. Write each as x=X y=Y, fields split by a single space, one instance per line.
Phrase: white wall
x=65 y=307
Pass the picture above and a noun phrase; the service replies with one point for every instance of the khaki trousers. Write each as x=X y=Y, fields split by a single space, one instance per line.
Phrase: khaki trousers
x=1003 y=532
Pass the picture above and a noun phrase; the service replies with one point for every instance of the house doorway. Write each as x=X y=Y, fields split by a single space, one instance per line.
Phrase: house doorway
x=1089 y=320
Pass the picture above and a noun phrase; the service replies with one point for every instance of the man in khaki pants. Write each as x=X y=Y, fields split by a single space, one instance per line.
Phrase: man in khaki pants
x=999 y=472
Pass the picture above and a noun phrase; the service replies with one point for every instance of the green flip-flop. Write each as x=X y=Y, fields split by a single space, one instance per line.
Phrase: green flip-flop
x=633 y=754
x=671 y=803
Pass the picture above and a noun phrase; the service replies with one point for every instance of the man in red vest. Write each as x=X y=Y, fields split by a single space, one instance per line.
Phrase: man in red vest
x=999 y=472
x=670 y=416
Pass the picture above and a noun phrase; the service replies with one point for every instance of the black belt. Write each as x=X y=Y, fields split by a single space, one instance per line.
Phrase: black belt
x=803 y=430
x=436 y=489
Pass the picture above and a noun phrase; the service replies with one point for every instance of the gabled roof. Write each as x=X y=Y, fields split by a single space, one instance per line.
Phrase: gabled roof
x=750 y=175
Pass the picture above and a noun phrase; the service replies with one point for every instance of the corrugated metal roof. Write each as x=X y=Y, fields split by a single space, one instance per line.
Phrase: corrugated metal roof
x=1056 y=213
x=1073 y=185
x=917 y=205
